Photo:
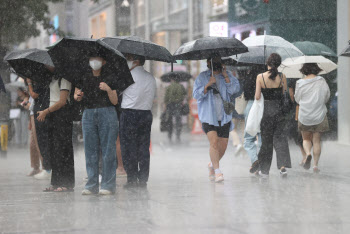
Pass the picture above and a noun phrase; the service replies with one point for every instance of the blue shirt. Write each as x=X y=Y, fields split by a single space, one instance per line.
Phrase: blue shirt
x=206 y=102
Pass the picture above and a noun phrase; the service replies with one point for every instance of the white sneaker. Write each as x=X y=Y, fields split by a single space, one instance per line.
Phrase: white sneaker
x=263 y=176
x=43 y=175
x=86 y=192
x=105 y=192
x=239 y=149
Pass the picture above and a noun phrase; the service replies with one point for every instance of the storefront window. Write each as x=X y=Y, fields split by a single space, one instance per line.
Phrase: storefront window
x=140 y=12
x=176 y=5
x=157 y=8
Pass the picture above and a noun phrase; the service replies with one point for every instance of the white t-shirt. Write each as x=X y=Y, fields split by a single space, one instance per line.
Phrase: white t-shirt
x=31 y=108
x=140 y=95
x=55 y=89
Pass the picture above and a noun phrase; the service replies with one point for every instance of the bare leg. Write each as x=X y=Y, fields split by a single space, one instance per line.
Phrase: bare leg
x=222 y=146
x=303 y=153
x=214 y=148
x=317 y=147
x=120 y=168
x=235 y=137
x=307 y=142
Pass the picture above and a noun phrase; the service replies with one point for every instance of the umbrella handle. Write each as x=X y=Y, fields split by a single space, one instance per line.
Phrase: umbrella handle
x=172 y=66
x=212 y=69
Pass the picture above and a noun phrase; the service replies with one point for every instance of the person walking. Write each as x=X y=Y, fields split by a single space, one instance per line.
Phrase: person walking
x=174 y=97
x=40 y=91
x=217 y=124
x=272 y=85
x=136 y=121
x=249 y=94
x=100 y=126
x=312 y=93
x=60 y=127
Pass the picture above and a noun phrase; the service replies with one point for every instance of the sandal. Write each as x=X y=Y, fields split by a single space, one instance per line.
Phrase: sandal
x=63 y=189
x=49 y=189
x=307 y=163
x=254 y=167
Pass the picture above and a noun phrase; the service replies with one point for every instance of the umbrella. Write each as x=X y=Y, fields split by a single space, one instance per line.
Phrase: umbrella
x=209 y=47
x=179 y=76
x=291 y=66
x=71 y=59
x=30 y=63
x=261 y=47
x=314 y=48
x=138 y=46
x=14 y=86
x=346 y=51
x=2 y=86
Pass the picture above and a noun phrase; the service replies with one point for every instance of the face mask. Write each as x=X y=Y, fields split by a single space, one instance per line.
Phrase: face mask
x=95 y=64
x=130 y=64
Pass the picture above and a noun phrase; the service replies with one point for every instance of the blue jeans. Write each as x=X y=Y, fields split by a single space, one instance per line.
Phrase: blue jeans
x=249 y=141
x=100 y=130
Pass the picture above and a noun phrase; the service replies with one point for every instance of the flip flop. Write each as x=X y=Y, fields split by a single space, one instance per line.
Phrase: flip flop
x=63 y=190
x=307 y=163
x=49 y=189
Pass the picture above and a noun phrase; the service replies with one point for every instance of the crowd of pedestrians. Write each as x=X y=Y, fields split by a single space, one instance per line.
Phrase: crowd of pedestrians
x=117 y=126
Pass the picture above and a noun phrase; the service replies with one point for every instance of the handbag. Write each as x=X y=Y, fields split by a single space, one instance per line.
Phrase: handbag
x=229 y=107
x=241 y=104
x=185 y=109
x=254 y=117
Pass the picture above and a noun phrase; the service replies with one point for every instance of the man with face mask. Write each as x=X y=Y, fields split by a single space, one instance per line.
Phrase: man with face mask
x=211 y=89
x=136 y=122
x=100 y=126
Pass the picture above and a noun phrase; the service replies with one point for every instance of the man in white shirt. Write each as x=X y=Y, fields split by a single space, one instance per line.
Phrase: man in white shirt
x=136 y=121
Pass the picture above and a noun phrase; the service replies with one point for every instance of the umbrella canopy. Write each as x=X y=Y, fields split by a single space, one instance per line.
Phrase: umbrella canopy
x=261 y=47
x=314 y=48
x=346 y=51
x=290 y=67
x=209 y=47
x=14 y=86
x=30 y=63
x=179 y=76
x=138 y=46
x=71 y=59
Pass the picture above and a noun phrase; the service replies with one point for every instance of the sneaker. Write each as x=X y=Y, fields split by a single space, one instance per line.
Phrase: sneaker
x=263 y=176
x=43 y=175
x=283 y=172
x=211 y=172
x=255 y=167
x=121 y=173
x=238 y=150
x=219 y=178
x=34 y=172
x=86 y=192
x=316 y=170
x=307 y=163
x=105 y=192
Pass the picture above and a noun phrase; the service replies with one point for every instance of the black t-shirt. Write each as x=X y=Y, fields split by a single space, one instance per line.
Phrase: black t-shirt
x=94 y=97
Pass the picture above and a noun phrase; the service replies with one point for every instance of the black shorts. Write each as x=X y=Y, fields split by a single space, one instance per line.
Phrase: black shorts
x=222 y=131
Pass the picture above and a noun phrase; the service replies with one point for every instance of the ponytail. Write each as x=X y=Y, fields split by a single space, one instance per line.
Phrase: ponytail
x=274 y=61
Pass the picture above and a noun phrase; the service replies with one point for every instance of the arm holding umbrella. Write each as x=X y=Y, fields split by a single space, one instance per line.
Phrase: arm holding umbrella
x=33 y=94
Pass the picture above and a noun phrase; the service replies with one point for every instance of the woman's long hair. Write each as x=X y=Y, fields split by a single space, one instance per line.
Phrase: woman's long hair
x=274 y=61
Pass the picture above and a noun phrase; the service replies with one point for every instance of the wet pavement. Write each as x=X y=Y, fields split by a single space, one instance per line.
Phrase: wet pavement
x=180 y=198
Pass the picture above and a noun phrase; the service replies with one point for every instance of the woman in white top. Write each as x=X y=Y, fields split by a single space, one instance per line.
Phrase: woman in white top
x=312 y=93
x=60 y=127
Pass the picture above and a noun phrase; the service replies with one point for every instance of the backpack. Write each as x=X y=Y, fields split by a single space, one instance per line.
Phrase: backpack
x=75 y=108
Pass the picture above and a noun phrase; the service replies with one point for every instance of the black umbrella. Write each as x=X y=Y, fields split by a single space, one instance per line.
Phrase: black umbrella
x=209 y=47
x=138 y=46
x=179 y=76
x=30 y=63
x=71 y=59
x=346 y=51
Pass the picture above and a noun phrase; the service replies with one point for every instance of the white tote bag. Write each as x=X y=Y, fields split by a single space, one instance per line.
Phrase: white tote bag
x=254 y=117
x=241 y=104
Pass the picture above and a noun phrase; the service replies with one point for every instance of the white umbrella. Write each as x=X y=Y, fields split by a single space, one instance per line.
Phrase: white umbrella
x=261 y=47
x=291 y=66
